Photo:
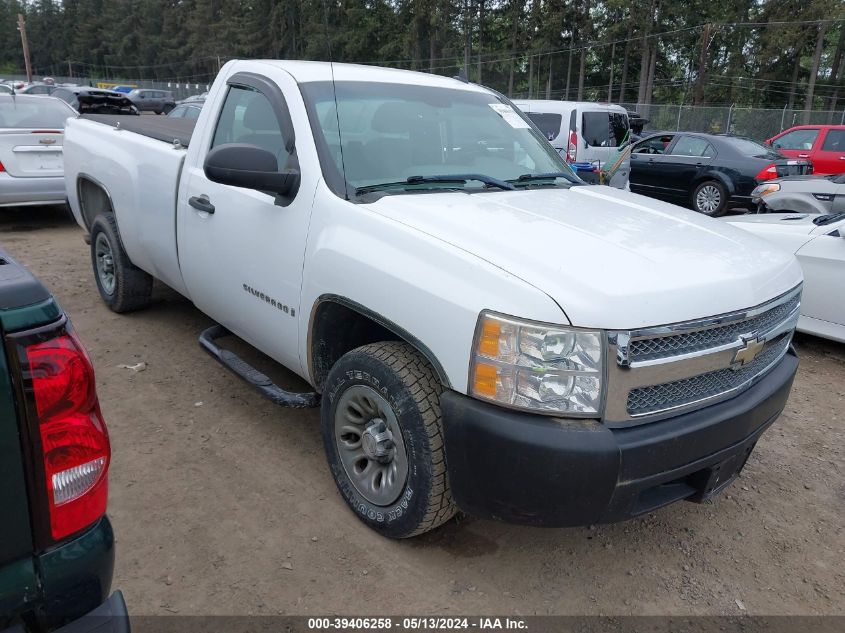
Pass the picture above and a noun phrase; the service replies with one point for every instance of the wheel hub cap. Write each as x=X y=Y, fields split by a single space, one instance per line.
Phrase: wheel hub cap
x=708 y=199
x=105 y=263
x=370 y=445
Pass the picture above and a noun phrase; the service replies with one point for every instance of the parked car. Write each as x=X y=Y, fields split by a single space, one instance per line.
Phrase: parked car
x=56 y=542
x=348 y=201
x=709 y=172
x=818 y=242
x=580 y=131
x=200 y=97
x=38 y=89
x=88 y=100
x=823 y=145
x=31 y=134
x=186 y=110
x=146 y=100
x=802 y=194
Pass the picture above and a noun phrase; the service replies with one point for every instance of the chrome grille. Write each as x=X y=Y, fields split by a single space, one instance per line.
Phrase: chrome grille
x=670 y=395
x=665 y=370
x=677 y=344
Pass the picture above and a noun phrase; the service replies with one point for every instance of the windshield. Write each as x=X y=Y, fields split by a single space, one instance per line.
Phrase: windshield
x=382 y=133
x=33 y=112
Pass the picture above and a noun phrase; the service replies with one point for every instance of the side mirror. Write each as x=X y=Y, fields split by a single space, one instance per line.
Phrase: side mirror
x=250 y=167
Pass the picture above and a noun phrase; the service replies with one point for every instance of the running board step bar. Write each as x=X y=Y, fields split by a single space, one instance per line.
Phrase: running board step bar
x=250 y=374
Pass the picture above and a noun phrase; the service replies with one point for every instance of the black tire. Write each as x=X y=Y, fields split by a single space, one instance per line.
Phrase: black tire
x=704 y=196
x=409 y=386
x=132 y=287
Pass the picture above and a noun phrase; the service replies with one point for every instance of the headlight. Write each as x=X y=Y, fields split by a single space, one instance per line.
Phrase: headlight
x=536 y=366
x=764 y=190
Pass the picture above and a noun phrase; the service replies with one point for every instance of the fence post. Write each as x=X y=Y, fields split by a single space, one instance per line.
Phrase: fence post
x=730 y=112
x=783 y=116
x=678 y=126
x=842 y=120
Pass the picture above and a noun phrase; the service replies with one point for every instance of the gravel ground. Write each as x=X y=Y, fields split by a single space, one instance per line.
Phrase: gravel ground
x=222 y=502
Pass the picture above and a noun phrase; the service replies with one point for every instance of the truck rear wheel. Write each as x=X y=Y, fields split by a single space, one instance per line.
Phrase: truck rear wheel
x=384 y=440
x=123 y=286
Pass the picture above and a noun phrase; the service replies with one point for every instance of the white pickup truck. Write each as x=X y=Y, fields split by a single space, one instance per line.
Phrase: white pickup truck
x=482 y=331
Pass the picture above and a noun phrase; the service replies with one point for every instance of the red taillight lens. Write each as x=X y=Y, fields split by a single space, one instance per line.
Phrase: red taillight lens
x=2 y=168
x=74 y=440
x=572 y=150
x=768 y=172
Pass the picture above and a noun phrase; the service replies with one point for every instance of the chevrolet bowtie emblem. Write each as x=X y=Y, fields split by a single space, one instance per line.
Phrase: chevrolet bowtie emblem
x=748 y=352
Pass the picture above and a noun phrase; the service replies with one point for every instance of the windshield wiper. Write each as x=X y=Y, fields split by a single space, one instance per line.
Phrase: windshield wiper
x=445 y=179
x=527 y=178
x=828 y=219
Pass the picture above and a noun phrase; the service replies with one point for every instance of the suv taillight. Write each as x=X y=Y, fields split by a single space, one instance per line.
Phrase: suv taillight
x=768 y=172
x=2 y=169
x=572 y=150
x=75 y=450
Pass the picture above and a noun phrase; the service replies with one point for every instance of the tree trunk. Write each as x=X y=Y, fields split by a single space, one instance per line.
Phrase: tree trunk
x=624 y=79
x=835 y=72
x=467 y=36
x=515 y=8
x=530 y=76
x=652 y=66
x=569 y=64
x=814 y=71
x=610 y=81
x=796 y=71
x=581 y=67
x=480 y=34
x=698 y=94
x=549 y=82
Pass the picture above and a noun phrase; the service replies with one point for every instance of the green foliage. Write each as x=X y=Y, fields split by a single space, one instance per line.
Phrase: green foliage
x=518 y=46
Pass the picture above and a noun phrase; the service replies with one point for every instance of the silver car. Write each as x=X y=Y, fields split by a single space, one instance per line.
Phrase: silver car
x=801 y=194
x=31 y=167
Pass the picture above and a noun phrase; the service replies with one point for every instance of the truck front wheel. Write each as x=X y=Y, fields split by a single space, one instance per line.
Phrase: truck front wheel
x=123 y=286
x=384 y=440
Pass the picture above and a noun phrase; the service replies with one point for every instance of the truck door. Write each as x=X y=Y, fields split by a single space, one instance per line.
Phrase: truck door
x=241 y=253
x=829 y=158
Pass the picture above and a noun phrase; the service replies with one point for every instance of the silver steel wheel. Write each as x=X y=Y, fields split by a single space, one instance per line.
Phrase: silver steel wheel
x=105 y=263
x=370 y=446
x=708 y=199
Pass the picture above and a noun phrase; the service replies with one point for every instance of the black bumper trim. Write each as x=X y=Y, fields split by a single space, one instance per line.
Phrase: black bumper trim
x=535 y=470
x=109 y=617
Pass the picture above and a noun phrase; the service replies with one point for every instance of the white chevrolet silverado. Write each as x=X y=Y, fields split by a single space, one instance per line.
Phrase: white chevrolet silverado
x=482 y=331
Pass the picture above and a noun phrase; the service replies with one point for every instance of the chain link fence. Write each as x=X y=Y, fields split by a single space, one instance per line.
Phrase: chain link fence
x=756 y=123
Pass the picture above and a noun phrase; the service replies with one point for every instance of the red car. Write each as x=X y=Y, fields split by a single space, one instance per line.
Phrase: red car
x=823 y=145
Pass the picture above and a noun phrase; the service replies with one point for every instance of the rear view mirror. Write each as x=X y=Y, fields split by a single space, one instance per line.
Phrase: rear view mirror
x=250 y=167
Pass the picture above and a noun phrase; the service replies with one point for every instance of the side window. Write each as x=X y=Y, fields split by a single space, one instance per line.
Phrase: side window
x=653 y=145
x=548 y=123
x=692 y=146
x=192 y=113
x=834 y=141
x=247 y=117
x=797 y=139
x=178 y=112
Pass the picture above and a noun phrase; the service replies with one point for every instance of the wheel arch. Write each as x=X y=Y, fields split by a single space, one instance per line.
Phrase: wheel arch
x=719 y=177
x=94 y=199
x=360 y=327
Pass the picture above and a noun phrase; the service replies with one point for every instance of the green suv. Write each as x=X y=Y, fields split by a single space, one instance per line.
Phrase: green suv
x=56 y=542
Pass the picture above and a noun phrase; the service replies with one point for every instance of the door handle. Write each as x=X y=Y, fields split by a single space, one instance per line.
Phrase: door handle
x=803 y=156
x=201 y=203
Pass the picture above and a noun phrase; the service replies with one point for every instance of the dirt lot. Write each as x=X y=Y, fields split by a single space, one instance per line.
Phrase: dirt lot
x=222 y=503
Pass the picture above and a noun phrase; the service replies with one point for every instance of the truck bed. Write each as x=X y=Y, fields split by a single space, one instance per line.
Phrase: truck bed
x=160 y=128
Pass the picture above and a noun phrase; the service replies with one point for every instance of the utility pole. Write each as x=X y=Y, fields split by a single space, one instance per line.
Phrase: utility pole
x=25 y=44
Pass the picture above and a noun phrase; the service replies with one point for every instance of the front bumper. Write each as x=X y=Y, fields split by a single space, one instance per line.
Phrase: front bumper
x=534 y=470
x=30 y=191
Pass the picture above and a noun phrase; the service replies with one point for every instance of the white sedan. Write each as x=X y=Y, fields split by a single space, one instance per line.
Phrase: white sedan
x=818 y=242
x=31 y=133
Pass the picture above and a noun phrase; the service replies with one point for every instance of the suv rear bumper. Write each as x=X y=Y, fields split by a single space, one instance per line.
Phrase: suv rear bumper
x=28 y=191
x=109 y=617
x=535 y=470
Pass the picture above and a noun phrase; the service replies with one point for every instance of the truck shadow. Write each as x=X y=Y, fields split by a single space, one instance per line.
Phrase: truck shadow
x=25 y=219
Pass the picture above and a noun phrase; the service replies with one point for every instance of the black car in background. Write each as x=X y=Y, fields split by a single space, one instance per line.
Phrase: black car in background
x=87 y=100
x=56 y=541
x=709 y=172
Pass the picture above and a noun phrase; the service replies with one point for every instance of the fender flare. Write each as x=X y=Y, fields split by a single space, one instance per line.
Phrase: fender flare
x=381 y=320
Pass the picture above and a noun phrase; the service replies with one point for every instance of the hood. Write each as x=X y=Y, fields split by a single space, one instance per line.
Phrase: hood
x=609 y=258
x=782 y=222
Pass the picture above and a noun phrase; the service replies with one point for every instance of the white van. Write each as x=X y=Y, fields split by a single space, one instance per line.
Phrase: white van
x=580 y=131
